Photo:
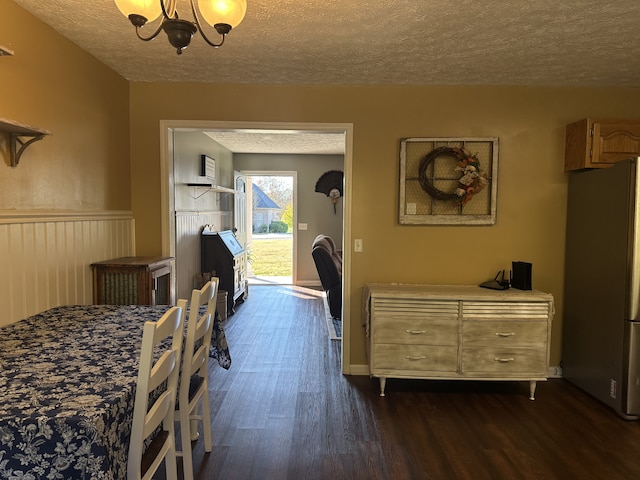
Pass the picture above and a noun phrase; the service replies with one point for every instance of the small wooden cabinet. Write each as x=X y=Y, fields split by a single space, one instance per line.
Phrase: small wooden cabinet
x=220 y=252
x=457 y=332
x=598 y=143
x=134 y=281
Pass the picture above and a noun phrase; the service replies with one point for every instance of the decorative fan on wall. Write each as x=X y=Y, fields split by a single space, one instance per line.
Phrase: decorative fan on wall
x=330 y=183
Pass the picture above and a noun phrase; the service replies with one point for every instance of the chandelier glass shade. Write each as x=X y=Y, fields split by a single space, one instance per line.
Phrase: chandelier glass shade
x=223 y=15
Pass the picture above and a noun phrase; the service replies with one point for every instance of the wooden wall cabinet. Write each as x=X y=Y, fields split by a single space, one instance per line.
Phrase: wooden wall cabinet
x=134 y=281
x=598 y=143
x=457 y=332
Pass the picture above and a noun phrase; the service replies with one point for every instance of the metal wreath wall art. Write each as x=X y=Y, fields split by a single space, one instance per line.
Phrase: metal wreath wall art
x=331 y=184
x=448 y=181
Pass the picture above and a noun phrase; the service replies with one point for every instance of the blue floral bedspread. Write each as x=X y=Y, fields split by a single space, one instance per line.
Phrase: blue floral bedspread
x=67 y=386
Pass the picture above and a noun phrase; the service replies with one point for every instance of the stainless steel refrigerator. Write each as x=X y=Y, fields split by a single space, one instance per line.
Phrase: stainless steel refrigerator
x=601 y=324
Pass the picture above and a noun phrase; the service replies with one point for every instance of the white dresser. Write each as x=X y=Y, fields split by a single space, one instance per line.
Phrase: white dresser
x=457 y=332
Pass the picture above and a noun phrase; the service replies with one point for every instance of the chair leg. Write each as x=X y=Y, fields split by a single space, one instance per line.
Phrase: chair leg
x=170 y=461
x=206 y=420
x=185 y=439
x=194 y=430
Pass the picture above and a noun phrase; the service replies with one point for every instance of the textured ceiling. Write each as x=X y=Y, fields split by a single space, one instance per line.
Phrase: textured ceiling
x=392 y=42
x=280 y=141
x=371 y=42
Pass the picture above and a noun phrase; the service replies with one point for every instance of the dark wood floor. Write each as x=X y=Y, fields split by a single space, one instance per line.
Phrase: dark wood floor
x=284 y=411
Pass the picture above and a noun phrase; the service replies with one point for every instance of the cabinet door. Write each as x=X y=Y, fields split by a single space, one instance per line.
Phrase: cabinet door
x=613 y=142
x=598 y=143
x=240 y=218
x=160 y=289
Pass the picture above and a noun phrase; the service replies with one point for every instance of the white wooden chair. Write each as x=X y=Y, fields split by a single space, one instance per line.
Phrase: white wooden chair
x=163 y=373
x=194 y=382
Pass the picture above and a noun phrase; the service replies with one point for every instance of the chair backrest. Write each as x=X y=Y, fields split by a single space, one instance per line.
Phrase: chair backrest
x=327 y=266
x=150 y=411
x=198 y=340
x=326 y=241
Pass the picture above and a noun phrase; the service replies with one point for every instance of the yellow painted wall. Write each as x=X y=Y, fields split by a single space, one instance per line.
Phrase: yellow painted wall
x=531 y=207
x=52 y=84
x=94 y=115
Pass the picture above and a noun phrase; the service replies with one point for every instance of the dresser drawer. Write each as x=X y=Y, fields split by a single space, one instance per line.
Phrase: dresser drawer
x=499 y=362
x=411 y=330
x=504 y=334
x=415 y=357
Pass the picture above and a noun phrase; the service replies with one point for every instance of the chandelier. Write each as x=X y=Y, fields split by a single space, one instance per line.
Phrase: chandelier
x=223 y=15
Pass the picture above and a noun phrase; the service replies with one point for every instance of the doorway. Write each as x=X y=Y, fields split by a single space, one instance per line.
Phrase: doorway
x=271 y=213
x=167 y=193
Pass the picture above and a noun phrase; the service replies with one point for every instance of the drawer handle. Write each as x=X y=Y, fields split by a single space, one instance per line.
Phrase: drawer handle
x=505 y=334
x=504 y=360
x=421 y=357
x=415 y=332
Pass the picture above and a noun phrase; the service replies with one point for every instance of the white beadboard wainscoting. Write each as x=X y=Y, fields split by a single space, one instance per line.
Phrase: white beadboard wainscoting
x=188 y=228
x=46 y=257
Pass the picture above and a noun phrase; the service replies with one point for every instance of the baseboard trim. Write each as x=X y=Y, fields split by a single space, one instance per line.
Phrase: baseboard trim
x=555 y=372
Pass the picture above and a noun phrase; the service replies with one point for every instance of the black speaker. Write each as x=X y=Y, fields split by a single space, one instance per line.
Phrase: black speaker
x=521 y=275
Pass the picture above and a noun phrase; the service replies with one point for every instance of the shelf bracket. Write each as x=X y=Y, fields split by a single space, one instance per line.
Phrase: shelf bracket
x=209 y=187
x=15 y=140
x=206 y=186
x=197 y=196
x=16 y=132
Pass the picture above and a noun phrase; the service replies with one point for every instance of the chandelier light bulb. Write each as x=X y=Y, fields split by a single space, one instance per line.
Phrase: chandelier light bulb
x=230 y=12
x=149 y=9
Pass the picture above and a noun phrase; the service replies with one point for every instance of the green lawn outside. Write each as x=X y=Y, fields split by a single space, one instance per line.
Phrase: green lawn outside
x=272 y=257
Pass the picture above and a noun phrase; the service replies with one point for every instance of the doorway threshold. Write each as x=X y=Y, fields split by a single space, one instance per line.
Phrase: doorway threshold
x=269 y=280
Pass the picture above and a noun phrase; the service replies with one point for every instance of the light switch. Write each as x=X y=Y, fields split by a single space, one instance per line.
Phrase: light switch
x=357 y=245
x=302 y=226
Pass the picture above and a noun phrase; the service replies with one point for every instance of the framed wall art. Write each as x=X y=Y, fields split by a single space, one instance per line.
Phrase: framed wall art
x=448 y=181
x=208 y=168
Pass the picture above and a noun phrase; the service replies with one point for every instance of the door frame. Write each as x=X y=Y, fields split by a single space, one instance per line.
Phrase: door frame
x=167 y=195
